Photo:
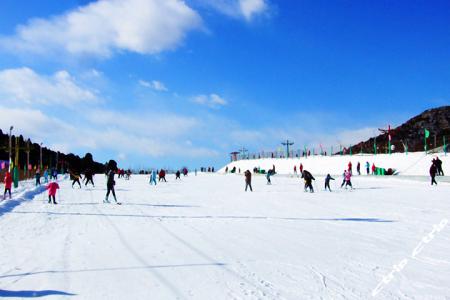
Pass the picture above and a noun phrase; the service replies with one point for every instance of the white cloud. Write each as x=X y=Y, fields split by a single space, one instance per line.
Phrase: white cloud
x=26 y=86
x=245 y=9
x=154 y=85
x=212 y=100
x=107 y=26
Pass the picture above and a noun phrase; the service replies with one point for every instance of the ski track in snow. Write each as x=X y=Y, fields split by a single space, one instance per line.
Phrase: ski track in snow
x=204 y=238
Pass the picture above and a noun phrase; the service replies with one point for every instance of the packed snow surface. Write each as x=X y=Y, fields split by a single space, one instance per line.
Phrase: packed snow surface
x=203 y=237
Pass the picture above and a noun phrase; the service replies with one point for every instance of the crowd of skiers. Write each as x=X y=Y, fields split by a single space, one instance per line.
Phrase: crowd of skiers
x=435 y=170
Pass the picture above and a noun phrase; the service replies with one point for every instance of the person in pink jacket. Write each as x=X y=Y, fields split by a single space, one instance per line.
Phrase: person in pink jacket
x=52 y=187
x=8 y=184
x=348 y=179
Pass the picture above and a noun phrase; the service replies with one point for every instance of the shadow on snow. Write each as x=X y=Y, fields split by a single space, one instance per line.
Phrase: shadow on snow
x=370 y=220
x=32 y=294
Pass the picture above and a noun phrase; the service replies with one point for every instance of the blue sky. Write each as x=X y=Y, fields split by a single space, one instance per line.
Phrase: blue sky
x=172 y=83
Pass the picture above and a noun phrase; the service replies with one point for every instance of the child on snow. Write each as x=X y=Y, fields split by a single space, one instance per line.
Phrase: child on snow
x=52 y=187
x=327 y=182
x=8 y=184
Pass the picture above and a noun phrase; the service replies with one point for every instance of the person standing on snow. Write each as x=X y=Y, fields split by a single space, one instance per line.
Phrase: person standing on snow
x=162 y=175
x=75 y=178
x=358 y=168
x=308 y=181
x=301 y=168
x=350 y=167
x=8 y=185
x=327 y=182
x=46 y=176
x=440 y=172
x=177 y=175
x=269 y=173
x=52 y=187
x=248 y=180
x=348 y=177
x=38 y=177
x=367 y=167
x=295 y=169
x=110 y=183
x=153 y=177
x=343 y=178
x=433 y=171
x=373 y=168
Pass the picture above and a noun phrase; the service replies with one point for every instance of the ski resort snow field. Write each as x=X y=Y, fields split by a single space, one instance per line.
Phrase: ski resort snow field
x=414 y=163
x=205 y=238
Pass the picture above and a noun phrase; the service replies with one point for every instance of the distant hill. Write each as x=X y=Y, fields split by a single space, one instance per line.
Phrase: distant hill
x=66 y=161
x=411 y=133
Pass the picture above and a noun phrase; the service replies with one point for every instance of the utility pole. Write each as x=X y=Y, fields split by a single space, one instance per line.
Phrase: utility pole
x=40 y=157
x=287 y=144
x=243 y=151
x=10 y=147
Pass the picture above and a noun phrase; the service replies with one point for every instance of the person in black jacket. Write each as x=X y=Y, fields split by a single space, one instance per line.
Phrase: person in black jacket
x=433 y=171
x=248 y=180
x=110 y=183
x=308 y=181
x=438 y=164
x=89 y=177
x=327 y=182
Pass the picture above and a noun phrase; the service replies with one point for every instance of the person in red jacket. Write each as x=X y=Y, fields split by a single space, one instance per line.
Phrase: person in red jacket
x=373 y=169
x=52 y=187
x=301 y=169
x=8 y=184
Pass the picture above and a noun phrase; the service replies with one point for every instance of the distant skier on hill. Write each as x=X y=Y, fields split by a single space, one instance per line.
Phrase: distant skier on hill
x=433 y=171
x=327 y=182
x=248 y=180
x=308 y=178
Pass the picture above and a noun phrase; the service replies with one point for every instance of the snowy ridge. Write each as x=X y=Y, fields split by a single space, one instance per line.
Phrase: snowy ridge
x=413 y=164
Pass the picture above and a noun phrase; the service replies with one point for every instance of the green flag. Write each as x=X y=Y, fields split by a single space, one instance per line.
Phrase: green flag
x=427 y=134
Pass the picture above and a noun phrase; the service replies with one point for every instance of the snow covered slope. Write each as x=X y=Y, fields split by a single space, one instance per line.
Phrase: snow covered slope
x=416 y=163
x=205 y=238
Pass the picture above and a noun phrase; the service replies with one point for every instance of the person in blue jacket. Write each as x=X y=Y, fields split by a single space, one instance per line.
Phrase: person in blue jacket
x=153 y=177
x=327 y=182
x=367 y=167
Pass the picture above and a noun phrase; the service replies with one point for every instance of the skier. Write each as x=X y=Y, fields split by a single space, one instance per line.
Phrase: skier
x=358 y=168
x=433 y=171
x=153 y=177
x=38 y=177
x=162 y=175
x=177 y=175
x=350 y=167
x=248 y=180
x=55 y=174
x=327 y=182
x=295 y=169
x=301 y=168
x=110 y=183
x=75 y=178
x=185 y=171
x=343 y=178
x=89 y=177
x=52 y=187
x=440 y=172
x=226 y=170
x=308 y=181
x=46 y=176
x=269 y=173
x=373 y=168
x=348 y=177
x=367 y=167
x=8 y=184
